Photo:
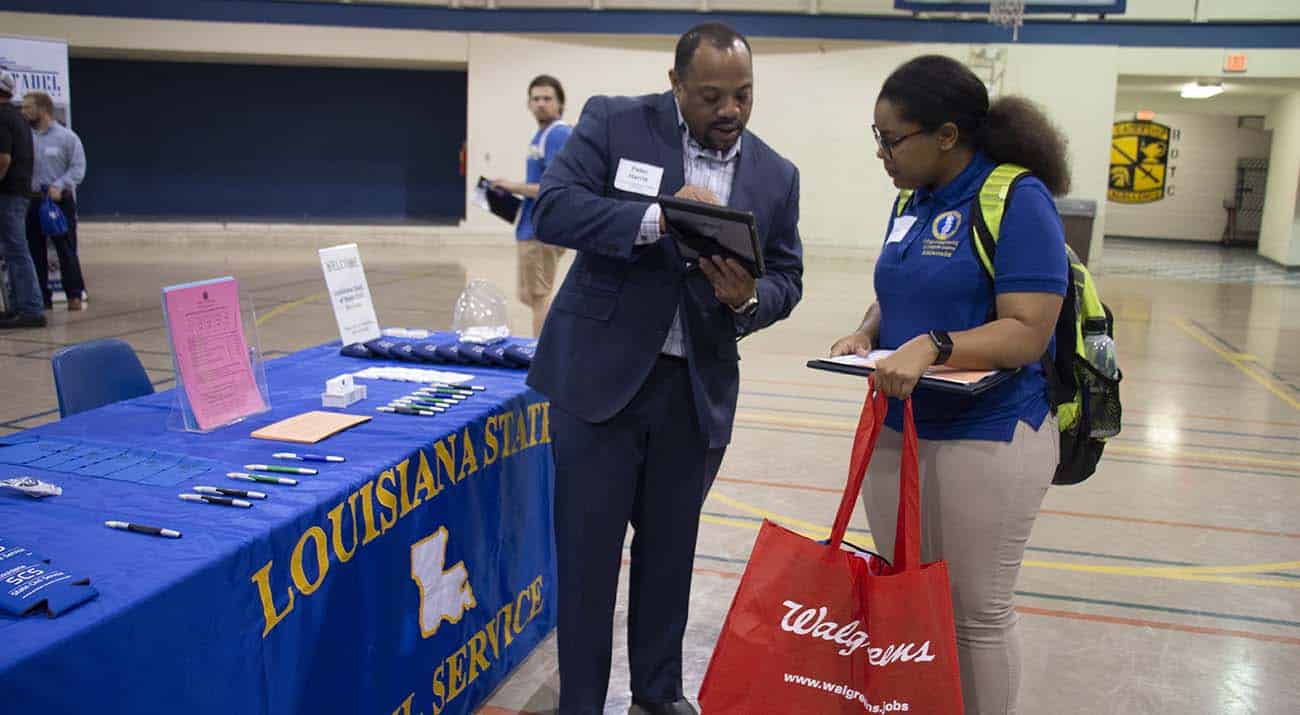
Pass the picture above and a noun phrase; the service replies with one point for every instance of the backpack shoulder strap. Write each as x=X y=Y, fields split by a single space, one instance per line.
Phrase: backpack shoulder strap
x=900 y=203
x=541 y=141
x=989 y=209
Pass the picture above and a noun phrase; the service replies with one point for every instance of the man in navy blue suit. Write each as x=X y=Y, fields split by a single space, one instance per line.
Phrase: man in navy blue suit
x=638 y=354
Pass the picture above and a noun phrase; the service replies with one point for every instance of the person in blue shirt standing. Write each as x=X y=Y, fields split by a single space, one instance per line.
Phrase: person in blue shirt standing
x=60 y=165
x=537 y=260
x=986 y=461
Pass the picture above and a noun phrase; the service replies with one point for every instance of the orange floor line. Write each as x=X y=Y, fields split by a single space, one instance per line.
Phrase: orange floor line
x=1192 y=416
x=1158 y=625
x=1180 y=524
x=781 y=485
x=1227 y=463
x=1054 y=512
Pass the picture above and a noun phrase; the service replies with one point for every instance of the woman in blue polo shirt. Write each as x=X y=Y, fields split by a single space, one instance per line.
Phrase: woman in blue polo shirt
x=986 y=462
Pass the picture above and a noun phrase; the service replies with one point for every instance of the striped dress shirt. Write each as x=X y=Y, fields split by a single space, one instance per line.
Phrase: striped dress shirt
x=708 y=169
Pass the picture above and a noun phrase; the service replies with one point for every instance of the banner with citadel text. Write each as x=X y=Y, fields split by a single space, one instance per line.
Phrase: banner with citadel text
x=41 y=64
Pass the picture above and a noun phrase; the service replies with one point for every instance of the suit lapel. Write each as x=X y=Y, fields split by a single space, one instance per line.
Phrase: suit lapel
x=741 y=198
x=669 y=138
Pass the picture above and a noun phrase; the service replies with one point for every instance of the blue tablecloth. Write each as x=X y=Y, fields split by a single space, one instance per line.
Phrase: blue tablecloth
x=411 y=578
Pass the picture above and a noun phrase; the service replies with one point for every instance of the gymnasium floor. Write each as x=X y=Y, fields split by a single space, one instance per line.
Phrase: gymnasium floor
x=1169 y=583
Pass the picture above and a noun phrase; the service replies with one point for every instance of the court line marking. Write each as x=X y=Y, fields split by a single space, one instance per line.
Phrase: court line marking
x=1054 y=512
x=1193 y=465
x=1172 y=574
x=283 y=308
x=1135 y=410
x=1116 y=459
x=1045 y=549
x=1247 y=357
x=1098 y=601
x=782 y=519
x=1157 y=625
x=1203 y=338
x=1130 y=426
x=1161 y=609
x=286 y=307
x=1204 y=574
x=842 y=426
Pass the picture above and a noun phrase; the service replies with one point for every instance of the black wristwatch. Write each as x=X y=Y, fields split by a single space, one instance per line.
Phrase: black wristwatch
x=943 y=344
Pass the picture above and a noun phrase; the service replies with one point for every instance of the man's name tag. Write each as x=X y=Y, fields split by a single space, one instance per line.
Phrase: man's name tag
x=638 y=178
x=902 y=225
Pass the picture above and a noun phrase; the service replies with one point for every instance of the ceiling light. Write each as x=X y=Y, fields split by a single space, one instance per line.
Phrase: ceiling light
x=1201 y=90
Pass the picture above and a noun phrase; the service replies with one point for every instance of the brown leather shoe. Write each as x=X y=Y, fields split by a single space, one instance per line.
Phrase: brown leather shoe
x=74 y=304
x=679 y=707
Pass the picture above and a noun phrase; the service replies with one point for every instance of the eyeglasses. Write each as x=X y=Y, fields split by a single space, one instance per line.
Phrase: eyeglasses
x=887 y=145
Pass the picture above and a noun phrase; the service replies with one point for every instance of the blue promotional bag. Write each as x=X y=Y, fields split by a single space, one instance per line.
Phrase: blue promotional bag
x=53 y=222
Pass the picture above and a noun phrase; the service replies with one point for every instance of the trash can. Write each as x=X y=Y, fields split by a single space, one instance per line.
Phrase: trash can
x=1077 y=215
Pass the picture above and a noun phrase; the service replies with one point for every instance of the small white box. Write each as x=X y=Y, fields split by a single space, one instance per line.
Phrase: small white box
x=356 y=394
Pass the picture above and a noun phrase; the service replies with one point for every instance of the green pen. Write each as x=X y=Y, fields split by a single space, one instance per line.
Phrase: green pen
x=438 y=393
x=478 y=388
x=280 y=470
x=428 y=401
x=263 y=478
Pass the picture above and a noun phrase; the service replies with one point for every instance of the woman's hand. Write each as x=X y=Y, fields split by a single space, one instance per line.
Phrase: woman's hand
x=897 y=375
x=855 y=343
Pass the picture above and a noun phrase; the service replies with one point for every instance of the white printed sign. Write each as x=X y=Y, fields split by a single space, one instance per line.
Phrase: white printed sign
x=345 y=278
x=39 y=65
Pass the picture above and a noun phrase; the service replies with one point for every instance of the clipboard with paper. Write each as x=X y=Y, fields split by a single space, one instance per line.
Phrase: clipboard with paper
x=945 y=379
x=702 y=229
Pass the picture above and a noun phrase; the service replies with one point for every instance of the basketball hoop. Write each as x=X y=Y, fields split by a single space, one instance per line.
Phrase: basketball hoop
x=1009 y=14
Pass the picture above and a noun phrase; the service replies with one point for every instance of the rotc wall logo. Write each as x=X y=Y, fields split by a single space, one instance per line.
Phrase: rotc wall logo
x=445 y=595
x=1139 y=162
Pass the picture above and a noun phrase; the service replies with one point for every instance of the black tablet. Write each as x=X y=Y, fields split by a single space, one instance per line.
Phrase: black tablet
x=501 y=203
x=702 y=229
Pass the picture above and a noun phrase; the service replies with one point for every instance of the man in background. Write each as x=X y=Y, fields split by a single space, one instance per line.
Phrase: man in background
x=15 y=186
x=537 y=260
x=60 y=164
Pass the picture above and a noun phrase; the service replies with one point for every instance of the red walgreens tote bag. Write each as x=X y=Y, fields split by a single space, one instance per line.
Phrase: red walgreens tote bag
x=815 y=629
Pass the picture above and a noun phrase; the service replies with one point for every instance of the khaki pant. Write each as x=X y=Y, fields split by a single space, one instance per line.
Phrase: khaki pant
x=537 y=263
x=979 y=500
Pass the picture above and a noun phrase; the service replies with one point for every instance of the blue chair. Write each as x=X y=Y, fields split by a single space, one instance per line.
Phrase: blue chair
x=97 y=373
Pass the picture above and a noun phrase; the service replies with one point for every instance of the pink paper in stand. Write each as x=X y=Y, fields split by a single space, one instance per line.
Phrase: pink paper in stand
x=211 y=353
